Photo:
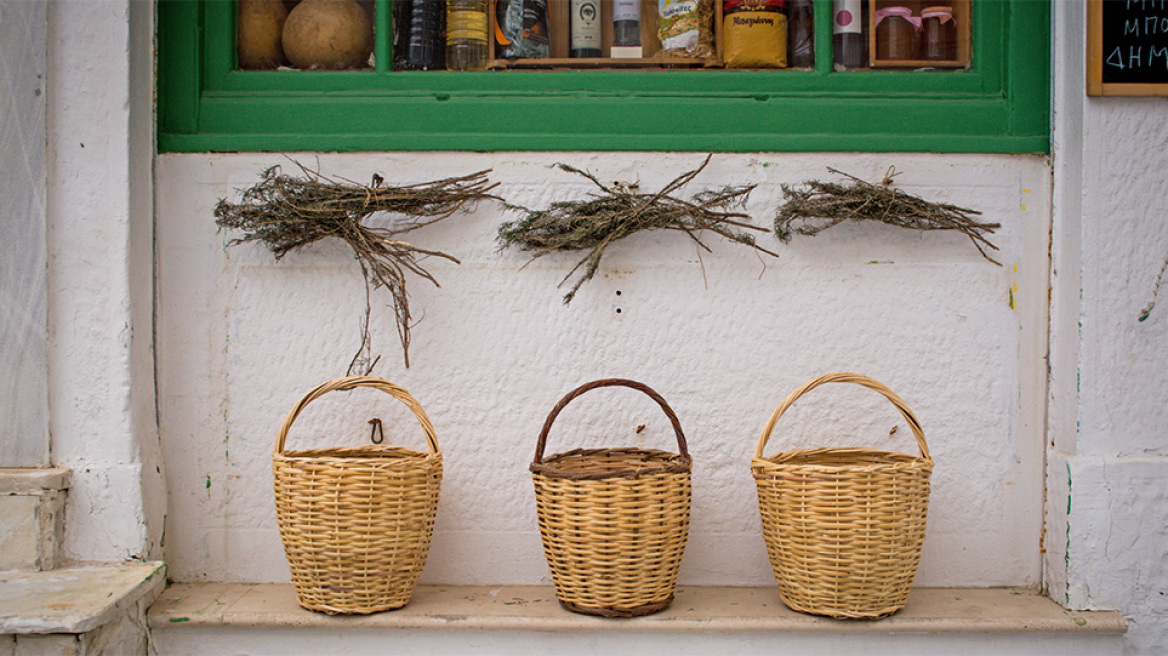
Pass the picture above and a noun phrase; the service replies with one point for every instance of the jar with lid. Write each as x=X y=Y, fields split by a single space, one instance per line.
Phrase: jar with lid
x=896 y=33
x=938 y=34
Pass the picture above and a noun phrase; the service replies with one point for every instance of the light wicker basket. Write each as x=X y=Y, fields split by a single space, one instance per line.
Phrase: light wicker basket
x=614 y=521
x=843 y=526
x=356 y=521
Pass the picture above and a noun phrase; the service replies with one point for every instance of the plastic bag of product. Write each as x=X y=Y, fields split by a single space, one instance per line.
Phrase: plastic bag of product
x=521 y=29
x=754 y=33
x=685 y=27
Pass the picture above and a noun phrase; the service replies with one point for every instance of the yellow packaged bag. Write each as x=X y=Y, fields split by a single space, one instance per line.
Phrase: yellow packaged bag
x=755 y=33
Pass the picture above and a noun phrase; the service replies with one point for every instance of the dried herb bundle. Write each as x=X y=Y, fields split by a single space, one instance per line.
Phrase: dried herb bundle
x=286 y=212
x=621 y=210
x=821 y=205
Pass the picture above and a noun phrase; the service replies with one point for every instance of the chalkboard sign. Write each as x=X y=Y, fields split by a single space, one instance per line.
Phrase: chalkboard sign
x=1127 y=47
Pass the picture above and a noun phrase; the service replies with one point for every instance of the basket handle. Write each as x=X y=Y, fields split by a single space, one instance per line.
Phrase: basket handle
x=610 y=382
x=348 y=383
x=909 y=417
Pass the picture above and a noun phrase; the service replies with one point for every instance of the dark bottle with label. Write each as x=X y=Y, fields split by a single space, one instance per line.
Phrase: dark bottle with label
x=584 y=27
x=801 y=34
x=849 y=30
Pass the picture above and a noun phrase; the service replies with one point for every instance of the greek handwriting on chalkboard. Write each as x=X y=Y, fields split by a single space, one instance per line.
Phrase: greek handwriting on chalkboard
x=1135 y=41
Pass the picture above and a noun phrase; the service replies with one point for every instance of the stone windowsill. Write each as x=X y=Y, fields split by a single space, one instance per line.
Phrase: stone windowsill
x=695 y=609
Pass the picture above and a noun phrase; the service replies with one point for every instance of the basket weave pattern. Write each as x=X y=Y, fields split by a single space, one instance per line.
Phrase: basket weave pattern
x=844 y=527
x=614 y=522
x=356 y=522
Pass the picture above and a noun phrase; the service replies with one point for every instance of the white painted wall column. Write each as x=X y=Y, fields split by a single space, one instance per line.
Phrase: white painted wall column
x=1107 y=526
x=100 y=275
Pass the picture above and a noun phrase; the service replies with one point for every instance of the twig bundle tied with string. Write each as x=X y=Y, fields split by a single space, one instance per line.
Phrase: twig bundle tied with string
x=286 y=212
x=622 y=210
x=818 y=206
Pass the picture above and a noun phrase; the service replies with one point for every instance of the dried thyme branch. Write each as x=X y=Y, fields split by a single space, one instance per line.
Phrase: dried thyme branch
x=286 y=213
x=818 y=206
x=621 y=210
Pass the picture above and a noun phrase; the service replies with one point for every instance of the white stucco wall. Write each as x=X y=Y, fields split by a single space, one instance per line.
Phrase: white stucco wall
x=241 y=337
x=1108 y=469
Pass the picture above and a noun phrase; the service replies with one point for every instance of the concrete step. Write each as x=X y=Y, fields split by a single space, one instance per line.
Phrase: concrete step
x=93 y=610
x=262 y=619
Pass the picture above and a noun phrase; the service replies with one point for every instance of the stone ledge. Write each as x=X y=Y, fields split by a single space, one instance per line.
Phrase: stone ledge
x=76 y=599
x=695 y=609
x=32 y=481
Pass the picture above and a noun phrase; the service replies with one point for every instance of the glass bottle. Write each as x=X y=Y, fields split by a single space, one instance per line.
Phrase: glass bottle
x=849 y=33
x=626 y=23
x=801 y=34
x=466 y=35
x=584 y=27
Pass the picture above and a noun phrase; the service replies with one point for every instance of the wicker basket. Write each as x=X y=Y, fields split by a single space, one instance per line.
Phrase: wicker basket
x=614 y=521
x=356 y=521
x=843 y=527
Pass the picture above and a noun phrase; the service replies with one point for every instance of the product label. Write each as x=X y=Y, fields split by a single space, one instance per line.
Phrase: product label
x=846 y=17
x=626 y=10
x=735 y=6
x=677 y=8
x=466 y=25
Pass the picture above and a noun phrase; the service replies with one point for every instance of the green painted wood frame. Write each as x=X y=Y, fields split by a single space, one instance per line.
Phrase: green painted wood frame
x=1001 y=104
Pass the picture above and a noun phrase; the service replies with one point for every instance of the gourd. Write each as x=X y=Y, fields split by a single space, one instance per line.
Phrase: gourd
x=328 y=34
x=258 y=33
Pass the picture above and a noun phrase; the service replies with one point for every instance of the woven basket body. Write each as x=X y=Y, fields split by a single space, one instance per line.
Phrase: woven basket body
x=356 y=522
x=614 y=522
x=844 y=527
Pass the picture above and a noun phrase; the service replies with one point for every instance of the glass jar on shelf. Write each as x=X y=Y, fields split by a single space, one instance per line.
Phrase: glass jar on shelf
x=896 y=33
x=938 y=34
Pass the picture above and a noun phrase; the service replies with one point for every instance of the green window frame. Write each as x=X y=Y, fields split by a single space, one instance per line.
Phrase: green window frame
x=1000 y=104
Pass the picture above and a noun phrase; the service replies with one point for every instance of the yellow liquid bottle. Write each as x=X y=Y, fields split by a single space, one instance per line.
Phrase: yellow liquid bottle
x=466 y=35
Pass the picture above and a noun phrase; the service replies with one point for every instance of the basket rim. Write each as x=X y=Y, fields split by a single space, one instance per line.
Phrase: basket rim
x=844 y=377
x=677 y=463
x=348 y=383
x=782 y=458
x=541 y=443
x=379 y=452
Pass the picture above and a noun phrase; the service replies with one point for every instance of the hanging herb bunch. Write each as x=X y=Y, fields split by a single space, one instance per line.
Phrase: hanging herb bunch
x=287 y=212
x=620 y=210
x=817 y=206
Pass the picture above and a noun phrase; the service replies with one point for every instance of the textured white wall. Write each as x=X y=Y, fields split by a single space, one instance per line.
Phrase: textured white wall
x=241 y=337
x=100 y=364
x=24 y=398
x=1108 y=475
